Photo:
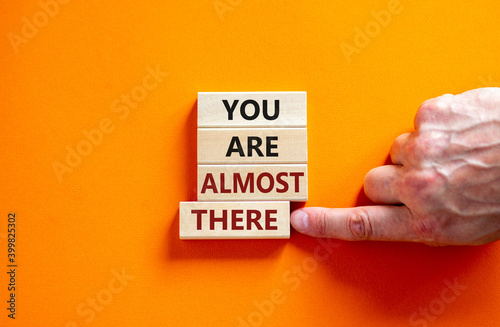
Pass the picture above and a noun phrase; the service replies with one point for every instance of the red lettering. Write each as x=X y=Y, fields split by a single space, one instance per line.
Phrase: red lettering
x=297 y=185
x=198 y=214
x=222 y=184
x=214 y=219
x=254 y=220
x=276 y=183
x=270 y=219
x=209 y=183
x=271 y=182
x=248 y=183
x=235 y=219
x=282 y=182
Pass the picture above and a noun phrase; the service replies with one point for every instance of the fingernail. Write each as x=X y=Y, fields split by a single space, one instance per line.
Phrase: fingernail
x=300 y=220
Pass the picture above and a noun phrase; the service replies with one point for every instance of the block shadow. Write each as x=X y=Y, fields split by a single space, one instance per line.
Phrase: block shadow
x=178 y=249
x=191 y=159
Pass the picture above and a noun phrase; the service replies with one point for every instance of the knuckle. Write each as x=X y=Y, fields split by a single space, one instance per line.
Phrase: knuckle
x=420 y=148
x=359 y=225
x=426 y=230
x=424 y=113
x=430 y=109
x=423 y=187
x=433 y=183
x=429 y=145
x=320 y=224
x=443 y=102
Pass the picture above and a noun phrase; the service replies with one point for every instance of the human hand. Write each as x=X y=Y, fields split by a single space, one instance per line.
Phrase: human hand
x=444 y=186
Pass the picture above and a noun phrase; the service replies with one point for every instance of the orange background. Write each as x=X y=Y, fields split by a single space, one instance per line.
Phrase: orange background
x=117 y=210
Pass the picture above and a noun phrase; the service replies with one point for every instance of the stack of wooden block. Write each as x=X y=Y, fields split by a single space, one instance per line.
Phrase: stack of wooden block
x=252 y=161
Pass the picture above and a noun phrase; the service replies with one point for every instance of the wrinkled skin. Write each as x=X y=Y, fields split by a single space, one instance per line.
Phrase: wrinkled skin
x=443 y=187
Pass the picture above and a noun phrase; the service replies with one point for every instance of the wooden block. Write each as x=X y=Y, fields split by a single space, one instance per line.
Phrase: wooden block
x=252 y=182
x=234 y=220
x=255 y=109
x=252 y=145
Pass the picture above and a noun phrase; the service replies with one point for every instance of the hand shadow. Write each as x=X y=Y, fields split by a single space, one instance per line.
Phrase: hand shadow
x=397 y=278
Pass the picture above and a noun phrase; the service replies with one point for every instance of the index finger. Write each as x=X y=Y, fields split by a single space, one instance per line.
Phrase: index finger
x=376 y=223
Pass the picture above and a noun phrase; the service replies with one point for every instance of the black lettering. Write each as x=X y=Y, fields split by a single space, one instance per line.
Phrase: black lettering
x=276 y=110
x=235 y=141
x=252 y=146
x=230 y=109
x=270 y=146
x=255 y=114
